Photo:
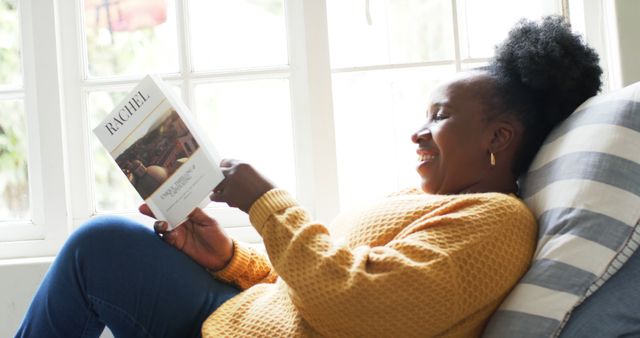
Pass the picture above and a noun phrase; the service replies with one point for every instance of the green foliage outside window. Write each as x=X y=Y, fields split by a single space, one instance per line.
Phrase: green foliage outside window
x=14 y=186
x=9 y=42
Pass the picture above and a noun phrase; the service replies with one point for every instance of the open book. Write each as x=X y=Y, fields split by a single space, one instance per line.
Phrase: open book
x=161 y=150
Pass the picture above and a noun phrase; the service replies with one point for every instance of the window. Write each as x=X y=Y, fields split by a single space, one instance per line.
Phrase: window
x=331 y=124
x=14 y=177
x=189 y=44
x=386 y=56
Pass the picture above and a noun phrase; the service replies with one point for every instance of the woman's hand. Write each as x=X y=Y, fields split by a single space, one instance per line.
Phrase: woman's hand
x=242 y=185
x=199 y=237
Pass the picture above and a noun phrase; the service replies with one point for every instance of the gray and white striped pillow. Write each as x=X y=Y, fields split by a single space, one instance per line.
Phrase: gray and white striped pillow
x=584 y=188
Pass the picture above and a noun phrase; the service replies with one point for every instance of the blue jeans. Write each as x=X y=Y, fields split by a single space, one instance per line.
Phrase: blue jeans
x=118 y=273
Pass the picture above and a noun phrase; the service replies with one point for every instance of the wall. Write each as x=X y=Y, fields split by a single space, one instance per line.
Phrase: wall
x=628 y=28
x=19 y=281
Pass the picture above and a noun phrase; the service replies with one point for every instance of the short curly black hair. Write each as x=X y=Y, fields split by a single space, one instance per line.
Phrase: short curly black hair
x=542 y=72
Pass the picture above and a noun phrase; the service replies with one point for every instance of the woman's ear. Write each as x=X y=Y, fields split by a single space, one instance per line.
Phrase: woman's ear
x=503 y=135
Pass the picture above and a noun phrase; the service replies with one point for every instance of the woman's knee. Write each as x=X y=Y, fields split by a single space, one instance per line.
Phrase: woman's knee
x=105 y=232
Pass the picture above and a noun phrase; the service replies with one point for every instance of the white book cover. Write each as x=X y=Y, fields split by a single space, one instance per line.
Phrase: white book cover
x=157 y=144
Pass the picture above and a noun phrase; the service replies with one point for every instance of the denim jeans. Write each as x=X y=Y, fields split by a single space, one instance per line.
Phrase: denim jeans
x=118 y=273
x=613 y=310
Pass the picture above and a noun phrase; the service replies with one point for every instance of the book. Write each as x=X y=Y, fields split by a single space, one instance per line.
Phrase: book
x=162 y=151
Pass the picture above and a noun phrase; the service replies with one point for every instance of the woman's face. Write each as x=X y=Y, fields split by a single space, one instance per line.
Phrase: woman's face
x=453 y=144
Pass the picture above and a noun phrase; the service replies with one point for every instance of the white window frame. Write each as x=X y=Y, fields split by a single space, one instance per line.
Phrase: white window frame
x=48 y=189
x=60 y=177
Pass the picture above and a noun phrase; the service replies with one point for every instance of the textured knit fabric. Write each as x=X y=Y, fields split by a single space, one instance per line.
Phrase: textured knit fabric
x=412 y=265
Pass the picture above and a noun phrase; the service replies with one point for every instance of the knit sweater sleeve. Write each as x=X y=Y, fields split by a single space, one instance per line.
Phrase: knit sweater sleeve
x=446 y=267
x=246 y=268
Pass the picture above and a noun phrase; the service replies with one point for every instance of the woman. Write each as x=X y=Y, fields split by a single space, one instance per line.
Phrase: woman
x=435 y=262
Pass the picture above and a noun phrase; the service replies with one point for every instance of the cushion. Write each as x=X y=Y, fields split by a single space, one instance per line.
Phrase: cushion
x=613 y=310
x=584 y=188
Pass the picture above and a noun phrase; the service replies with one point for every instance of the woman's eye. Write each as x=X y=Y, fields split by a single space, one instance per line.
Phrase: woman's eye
x=439 y=116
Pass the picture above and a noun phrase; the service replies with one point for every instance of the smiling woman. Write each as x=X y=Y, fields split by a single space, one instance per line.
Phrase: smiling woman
x=430 y=262
x=459 y=135
x=485 y=126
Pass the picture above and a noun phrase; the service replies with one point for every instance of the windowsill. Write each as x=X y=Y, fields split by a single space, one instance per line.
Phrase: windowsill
x=26 y=261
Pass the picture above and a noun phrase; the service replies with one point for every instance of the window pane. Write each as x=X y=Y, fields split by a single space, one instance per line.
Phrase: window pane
x=251 y=121
x=10 y=67
x=474 y=65
x=14 y=182
x=237 y=33
x=375 y=114
x=113 y=192
x=376 y=32
x=481 y=27
x=130 y=37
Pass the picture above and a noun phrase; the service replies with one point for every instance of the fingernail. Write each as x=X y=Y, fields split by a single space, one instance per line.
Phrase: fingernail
x=160 y=225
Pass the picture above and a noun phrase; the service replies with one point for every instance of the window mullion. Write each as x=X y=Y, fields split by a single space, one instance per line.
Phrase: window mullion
x=312 y=107
x=49 y=188
x=184 y=51
x=456 y=34
x=74 y=100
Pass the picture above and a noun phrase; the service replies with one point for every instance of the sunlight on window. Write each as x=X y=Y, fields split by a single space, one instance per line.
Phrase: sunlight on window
x=10 y=67
x=379 y=32
x=251 y=121
x=376 y=111
x=134 y=37
x=14 y=182
x=375 y=115
x=237 y=34
x=14 y=178
x=126 y=37
x=479 y=36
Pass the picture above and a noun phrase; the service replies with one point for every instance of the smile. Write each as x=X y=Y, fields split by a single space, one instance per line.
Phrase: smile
x=426 y=157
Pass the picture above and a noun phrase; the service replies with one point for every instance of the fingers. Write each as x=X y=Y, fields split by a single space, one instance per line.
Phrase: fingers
x=174 y=237
x=242 y=185
x=198 y=216
x=145 y=210
x=217 y=195
x=220 y=187
x=160 y=228
x=226 y=166
x=228 y=163
x=222 y=195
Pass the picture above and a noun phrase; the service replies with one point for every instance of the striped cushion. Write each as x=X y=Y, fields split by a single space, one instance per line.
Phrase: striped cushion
x=584 y=188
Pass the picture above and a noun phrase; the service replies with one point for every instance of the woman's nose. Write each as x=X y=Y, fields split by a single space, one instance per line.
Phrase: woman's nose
x=421 y=135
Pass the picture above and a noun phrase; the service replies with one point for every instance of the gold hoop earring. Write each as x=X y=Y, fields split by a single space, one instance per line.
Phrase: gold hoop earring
x=493 y=160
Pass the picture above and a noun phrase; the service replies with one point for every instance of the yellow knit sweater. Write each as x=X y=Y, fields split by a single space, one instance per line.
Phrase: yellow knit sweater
x=412 y=265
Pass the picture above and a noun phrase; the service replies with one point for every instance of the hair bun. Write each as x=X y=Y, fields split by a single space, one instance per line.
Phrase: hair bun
x=555 y=67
